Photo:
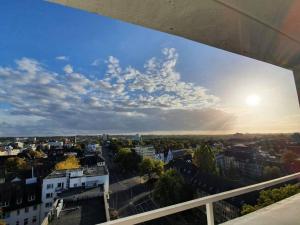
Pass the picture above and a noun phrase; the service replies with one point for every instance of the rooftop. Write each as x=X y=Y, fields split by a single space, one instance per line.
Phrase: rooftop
x=83 y=212
x=88 y=171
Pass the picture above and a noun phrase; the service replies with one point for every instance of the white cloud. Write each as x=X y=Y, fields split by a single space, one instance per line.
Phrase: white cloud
x=62 y=57
x=68 y=69
x=96 y=62
x=125 y=99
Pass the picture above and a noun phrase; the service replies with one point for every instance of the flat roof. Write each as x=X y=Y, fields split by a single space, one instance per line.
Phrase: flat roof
x=87 y=171
x=87 y=212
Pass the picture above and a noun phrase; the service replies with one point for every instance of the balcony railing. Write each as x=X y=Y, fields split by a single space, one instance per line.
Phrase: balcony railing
x=208 y=201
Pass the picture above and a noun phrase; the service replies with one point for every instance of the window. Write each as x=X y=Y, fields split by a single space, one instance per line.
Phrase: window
x=31 y=198
x=26 y=209
x=17 y=223
x=59 y=185
x=26 y=221
x=49 y=186
x=48 y=204
x=49 y=195
x=34 y=207
x=19 y=201
x=75 y=185
x=34 y=219
x=18 y=213
x=4 y=204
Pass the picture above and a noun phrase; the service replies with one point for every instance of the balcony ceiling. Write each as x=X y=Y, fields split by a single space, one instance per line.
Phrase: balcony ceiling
x=267 y=30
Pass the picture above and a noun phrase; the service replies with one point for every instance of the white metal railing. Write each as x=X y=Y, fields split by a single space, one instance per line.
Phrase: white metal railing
x=208 y=201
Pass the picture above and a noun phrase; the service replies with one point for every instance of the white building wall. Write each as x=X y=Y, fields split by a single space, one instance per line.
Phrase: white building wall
x=74 y=179
x=50 y=190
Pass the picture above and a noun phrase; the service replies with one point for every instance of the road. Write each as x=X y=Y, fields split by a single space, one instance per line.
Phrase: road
x=122 y=187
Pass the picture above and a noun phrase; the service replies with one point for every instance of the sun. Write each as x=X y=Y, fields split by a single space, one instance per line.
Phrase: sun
x=253 y=100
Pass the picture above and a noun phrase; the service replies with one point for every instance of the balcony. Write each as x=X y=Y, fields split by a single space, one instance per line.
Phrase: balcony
x=284 y=212
x=269 y=215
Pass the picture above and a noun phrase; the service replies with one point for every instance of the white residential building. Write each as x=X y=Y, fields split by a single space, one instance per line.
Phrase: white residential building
x=55 y=144
x=63 y=180
x=94 y=147
x=145 y=151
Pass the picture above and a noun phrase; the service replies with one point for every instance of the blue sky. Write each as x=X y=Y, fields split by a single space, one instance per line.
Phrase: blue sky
x=197 y=89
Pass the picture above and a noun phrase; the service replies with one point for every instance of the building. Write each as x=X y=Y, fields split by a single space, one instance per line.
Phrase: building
x=55 y=144
x=166 y=157
x=20 y=203
x=205 y=184
x=145 y=151
x=93 y=148
x=88 y=208
x=60 y=181
x=241 y=158
x=137 y=137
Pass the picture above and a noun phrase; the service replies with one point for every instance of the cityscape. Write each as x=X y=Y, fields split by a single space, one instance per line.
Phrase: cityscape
x=103 y=120
x=93 y=179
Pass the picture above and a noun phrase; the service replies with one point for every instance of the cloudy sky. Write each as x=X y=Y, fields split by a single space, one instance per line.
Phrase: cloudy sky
x=64 y=71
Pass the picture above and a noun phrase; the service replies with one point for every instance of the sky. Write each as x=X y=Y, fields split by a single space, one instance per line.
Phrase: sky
x=64 y=71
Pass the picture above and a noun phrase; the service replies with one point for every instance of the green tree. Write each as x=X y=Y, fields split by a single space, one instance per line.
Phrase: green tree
x=271 y=172
x=171 y=189
x=127 y=159
x=270 y=196
x=204 y=159
x=150 y=167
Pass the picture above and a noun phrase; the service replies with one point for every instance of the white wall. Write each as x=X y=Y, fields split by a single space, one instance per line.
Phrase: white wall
x=54 y=190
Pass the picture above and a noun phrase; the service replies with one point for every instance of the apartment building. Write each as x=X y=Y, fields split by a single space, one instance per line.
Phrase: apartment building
x=20 y=202
x=60 y=181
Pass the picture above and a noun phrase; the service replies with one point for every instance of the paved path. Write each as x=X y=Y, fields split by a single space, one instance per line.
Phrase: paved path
x=285 y=212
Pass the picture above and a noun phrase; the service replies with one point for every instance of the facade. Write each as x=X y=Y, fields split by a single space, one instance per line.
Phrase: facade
x=93 y=147
x=20 y=203
x=242 y=159
x=60 y=181
x=205 y=184
x=55 y=144
x=145 y=151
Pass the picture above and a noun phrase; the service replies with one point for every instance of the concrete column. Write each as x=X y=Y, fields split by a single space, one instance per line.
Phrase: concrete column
x=297 y=82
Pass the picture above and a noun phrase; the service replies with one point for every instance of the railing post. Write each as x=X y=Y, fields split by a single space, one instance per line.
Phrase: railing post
x=210 y=214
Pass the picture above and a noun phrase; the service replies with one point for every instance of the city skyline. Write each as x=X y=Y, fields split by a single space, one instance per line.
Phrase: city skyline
x=81 y=73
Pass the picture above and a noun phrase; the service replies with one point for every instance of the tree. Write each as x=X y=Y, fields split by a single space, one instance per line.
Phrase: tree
x=16 y=163
x=271 y=172
x=36 y=154
x=289 y=157
x=71 y=162
x=150 y=167
x=127 y=159
x=204 y=159
x=291 y=161
x=171 y=189
x=270 y=196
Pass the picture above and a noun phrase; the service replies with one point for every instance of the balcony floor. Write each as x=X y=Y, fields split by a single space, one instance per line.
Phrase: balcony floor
x=285 y=212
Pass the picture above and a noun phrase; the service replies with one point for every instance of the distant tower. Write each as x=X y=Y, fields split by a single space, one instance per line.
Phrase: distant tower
x=75 y=141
